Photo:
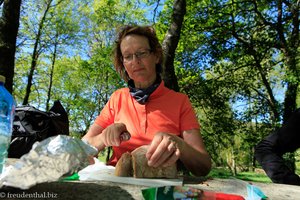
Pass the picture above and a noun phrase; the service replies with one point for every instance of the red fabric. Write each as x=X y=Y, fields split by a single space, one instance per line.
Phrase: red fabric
x=223 y=196
x=166 y=111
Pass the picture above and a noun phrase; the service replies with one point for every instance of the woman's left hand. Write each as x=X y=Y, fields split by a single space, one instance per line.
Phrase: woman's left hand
x=164 y=150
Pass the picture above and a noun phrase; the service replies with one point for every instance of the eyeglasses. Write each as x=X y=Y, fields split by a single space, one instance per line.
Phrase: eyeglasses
x=138 y=55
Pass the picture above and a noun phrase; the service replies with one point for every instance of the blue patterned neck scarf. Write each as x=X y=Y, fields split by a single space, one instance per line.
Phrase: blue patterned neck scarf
x=142 y=95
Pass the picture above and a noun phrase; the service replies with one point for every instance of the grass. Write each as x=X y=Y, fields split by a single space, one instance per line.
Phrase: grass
x=250 y=176
x=246 y=176
x=255 y=177
x=225 y=173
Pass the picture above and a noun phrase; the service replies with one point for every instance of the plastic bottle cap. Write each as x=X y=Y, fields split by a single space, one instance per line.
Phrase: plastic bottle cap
x=2 y=79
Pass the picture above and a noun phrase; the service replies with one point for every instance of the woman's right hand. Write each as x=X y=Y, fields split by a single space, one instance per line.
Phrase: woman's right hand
x=110 y=136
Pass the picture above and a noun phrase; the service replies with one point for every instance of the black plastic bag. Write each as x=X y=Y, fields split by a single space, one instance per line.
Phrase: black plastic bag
x=31 y=125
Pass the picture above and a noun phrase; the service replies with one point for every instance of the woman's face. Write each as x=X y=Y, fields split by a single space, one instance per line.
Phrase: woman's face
x=138 y=60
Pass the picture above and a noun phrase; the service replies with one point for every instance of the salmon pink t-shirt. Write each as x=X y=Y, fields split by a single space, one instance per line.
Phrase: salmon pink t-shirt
x=165 y=111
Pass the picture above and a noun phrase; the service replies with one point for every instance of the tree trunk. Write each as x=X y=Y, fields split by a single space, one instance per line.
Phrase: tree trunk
x=52 y=71
x=234 y=162
x=271 y=100
x=290 y=100
x=9 y=25
x=170 y=44
x=35 y=55
x=253 y=164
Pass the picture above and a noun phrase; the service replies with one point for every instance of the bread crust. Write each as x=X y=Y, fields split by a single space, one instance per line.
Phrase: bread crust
x=124 y=166
x=139 y=166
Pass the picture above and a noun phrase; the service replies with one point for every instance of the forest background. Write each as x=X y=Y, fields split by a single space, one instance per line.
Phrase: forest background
x=237 y=60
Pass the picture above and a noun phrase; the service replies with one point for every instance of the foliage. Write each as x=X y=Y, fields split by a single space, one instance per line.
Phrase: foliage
x=229 y=63
x=234 y=60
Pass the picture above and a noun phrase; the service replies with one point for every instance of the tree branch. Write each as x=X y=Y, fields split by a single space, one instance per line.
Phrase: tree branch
x=155 y=10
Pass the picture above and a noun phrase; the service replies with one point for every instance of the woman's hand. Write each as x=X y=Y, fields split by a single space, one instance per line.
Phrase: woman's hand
x=111 y=135
x=164 y=150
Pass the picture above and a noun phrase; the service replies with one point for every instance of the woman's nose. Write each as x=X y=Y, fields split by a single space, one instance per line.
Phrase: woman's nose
x=135 y=59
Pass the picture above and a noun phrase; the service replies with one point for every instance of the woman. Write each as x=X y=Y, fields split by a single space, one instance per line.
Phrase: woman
x=153 y=114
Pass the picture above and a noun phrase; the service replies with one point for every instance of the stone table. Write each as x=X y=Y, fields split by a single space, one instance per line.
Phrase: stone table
x=108 y=190
x=111 y=190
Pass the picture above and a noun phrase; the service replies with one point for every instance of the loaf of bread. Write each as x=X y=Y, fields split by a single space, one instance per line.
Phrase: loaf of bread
x=124 y=166
x=136 y=165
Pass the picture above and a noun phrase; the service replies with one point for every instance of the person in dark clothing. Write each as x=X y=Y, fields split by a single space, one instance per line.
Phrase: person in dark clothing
x=269 y=151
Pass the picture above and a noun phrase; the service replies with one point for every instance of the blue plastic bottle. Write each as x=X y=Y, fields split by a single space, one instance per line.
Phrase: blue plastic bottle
x=7 y=109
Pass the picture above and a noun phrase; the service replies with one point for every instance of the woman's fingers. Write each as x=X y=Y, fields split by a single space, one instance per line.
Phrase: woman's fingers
x=173 y=158
x=153 y=147
x=170 y=156
x=111 y=135
x=163 y=151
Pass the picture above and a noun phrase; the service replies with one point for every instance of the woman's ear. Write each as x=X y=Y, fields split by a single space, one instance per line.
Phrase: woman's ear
x=157 y=58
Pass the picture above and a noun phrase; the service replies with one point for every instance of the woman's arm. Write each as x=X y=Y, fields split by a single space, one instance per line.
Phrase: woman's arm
x=193 y=153
x=92 y=137
x=100 y=138
x=166 y=149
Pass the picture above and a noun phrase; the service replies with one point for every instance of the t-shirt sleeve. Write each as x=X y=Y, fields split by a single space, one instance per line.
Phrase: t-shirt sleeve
x=188 y=116
x=107 y=114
